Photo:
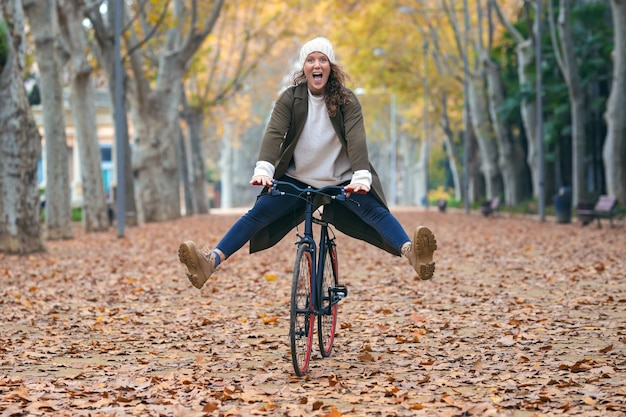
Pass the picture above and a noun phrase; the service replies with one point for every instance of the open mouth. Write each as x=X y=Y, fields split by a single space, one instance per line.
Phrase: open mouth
x=317 y=76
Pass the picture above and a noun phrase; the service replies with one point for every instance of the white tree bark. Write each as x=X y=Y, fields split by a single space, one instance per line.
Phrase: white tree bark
x=42 y=15
x=614 y=152
x=195 y=127
x=182 y=156
x=510 y=153
x=476 y=102
x=20 y=142
x=563 y=46
x=94 y=214
x=528 y=109
x=450 y=149
x=483 y=129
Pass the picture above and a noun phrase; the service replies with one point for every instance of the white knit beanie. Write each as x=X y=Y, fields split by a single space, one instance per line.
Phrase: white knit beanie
x=319 y=44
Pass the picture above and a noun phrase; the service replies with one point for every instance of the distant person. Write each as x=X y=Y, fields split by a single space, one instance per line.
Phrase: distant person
x=325 y=145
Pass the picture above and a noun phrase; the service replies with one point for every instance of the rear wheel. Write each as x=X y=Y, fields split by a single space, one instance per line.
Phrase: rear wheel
x=301 y=322
x=327 y=321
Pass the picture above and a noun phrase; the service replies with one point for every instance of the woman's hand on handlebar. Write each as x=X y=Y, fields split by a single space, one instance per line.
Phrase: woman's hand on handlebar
x=356 y=188
x=263 y=180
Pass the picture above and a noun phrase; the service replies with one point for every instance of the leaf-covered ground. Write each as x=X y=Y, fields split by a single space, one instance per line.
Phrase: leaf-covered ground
x=523 y=318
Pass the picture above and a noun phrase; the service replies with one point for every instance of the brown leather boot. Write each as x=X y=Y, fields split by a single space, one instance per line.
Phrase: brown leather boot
x=420 y=254
x=200 y=264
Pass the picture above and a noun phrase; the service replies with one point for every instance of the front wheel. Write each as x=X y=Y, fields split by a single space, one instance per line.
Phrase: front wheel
x=327 y=320
x=301 y=318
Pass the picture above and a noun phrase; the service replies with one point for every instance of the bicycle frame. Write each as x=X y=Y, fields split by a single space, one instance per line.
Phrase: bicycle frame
x=317 y=250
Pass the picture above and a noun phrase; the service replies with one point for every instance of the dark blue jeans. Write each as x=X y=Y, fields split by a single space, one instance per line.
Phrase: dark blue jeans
x=268 y=209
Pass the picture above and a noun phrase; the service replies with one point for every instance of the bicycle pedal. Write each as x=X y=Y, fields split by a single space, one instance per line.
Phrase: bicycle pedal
x=340 y=292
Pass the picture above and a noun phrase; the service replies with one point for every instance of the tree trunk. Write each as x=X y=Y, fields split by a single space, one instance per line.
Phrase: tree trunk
x=95 y=217
x=484 y=135
x=510 y=152
x=44 y=26
x=569 y=68
x=476 y=180
x=195 y=123
x=20 y=142
x=528 y=109
x=94 y=213
x=183 y=174
x=450 y=148
x=154 y=157
x=614 y=152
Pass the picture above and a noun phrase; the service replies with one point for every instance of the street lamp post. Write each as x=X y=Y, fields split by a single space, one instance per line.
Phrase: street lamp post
x=394 y=145
x=426 y=138
x=466 y=127
x=120 y=192
x=539 y=105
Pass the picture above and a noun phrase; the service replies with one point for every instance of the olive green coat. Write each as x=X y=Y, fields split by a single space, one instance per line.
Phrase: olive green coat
x=280 y=139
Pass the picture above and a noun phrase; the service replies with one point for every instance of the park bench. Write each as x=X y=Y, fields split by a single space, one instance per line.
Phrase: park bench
x=490 y=206
x=604 y=208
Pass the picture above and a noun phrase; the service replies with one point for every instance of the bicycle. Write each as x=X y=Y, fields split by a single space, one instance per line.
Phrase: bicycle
x=315 y=290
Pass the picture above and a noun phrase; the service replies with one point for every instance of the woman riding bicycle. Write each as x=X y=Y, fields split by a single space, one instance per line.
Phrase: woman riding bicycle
x=315 y=137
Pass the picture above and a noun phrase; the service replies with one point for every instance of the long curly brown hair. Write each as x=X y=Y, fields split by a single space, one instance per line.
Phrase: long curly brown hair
x=336 y=92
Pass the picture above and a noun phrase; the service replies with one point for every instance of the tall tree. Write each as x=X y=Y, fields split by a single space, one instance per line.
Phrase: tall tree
x=563 y=48
x=510 y=163
x=479 y=101
x=614 y=153
x=42 y=15
x=525 y=57
x=157 y=106
x=94 y=210
x=20 y=142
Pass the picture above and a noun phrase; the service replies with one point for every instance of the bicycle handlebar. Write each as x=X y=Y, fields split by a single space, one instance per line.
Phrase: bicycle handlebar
x=336 y=192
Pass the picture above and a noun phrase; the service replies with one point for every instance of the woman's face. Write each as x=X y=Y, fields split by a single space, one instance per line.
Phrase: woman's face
x=317 y=70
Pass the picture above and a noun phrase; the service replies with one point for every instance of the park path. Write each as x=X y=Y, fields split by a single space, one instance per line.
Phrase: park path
x=523 y=318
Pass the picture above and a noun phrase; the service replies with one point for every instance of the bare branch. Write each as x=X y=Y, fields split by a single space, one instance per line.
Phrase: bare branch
x=554 y=39
x=151 y=33
x=509 y=26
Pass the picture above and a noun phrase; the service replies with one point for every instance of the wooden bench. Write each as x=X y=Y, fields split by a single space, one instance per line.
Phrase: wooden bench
x=490 y=206
x=604 y=208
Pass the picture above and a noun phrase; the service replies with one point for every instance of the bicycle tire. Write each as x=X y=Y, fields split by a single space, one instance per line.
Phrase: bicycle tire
x=301 y=315
x=327 y=322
